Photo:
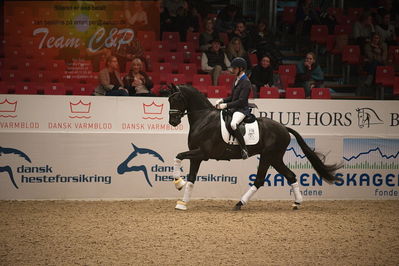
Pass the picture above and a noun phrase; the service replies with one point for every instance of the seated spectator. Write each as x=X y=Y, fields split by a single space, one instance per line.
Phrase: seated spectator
x=387 y=30
x=363 y=29
x=172 y=6
x=110 y=80
x=227 y=18
x=306 y=16
x=309 y=74
x=376 y=53
x=127 y=52
x=208 y=35
x=265 y=44
x=236 y=49
x=137 y=81
x=214 y=61
x=240 y=31
x=262 y=75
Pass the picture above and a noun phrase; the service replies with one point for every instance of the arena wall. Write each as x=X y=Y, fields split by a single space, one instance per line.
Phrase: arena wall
x=71 y=147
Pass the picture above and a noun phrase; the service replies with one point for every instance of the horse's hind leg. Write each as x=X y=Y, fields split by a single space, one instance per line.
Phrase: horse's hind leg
x=292 y=181
x=264 y=165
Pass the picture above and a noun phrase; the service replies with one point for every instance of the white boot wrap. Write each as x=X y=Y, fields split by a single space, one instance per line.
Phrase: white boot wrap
x=297 y=193
x=248 y=195
x=176 y=168
x=187 y=192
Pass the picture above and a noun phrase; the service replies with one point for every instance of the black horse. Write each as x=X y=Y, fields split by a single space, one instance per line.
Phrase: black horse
x=205 y=142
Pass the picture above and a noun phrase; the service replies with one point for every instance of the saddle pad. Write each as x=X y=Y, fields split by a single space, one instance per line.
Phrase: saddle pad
x=251 y=136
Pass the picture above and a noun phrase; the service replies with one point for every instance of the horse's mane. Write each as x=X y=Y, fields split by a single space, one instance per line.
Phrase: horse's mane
x=193 y=94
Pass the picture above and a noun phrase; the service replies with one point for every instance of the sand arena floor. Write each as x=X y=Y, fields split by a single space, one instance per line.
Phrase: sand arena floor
x=151 y=232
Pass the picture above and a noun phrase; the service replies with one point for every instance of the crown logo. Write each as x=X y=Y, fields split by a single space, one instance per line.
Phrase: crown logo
x=7 y=106
x=80 y=108
x=153 y=109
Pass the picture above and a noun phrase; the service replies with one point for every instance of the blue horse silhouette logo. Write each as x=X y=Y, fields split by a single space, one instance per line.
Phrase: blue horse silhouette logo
x=8 y=168
x=124 y=168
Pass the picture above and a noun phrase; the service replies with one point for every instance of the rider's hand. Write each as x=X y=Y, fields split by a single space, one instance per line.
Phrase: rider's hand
x=221 y=106
x=219 y=101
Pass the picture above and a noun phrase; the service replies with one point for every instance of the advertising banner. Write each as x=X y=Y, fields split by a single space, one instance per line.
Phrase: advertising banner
x=123 y=148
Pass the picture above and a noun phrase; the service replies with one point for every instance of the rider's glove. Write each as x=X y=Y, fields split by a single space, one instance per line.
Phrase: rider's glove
x=221 y=106
x=219 y=101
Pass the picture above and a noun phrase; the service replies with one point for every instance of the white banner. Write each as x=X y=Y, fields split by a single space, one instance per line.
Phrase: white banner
x=41 y=159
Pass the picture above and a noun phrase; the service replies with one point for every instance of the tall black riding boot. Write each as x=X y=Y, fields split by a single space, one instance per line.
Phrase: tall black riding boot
x=241 y=142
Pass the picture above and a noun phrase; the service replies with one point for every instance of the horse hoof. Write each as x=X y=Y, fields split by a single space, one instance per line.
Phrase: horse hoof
x=179 y=183
x=295 y=206
x=181 y=205
x=237 y=207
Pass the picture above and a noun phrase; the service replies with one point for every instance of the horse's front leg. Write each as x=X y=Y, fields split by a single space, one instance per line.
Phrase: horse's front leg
x=192 y=154
x=192 y=176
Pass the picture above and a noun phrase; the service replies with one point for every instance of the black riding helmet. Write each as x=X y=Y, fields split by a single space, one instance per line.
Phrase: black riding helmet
x=239 y=62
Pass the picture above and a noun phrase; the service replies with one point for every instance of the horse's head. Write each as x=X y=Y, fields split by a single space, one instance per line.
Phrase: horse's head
x=177 y=106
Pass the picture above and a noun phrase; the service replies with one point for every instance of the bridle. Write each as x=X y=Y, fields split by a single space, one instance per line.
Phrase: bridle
x=177 y=112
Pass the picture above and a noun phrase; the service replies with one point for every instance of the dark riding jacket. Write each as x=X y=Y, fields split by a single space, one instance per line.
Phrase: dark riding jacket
x=238 y=100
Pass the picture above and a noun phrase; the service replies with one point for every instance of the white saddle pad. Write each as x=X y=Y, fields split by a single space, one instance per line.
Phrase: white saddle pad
x=251 y=136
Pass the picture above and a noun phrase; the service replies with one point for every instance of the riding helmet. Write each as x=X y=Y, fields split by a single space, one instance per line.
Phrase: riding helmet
x=239 y=62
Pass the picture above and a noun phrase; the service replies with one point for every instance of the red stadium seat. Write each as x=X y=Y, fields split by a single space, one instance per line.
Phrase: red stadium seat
x=164 y=69
x=343 y=29
x=287 y=74
x=336 y=12
x=226 y=80
x=196 y=59
x=354 y=13
x=175 y=59
x=289 y=15
x=54 y=89
x=11 y=75
x=26 y=88
x=320 y=93
x=269 y=92
x=145 y=36
x=170 y=36
x=217 y=92
x=224 y=37
x=319 y=33
x=350 y=56
x=176 y=79
x=202 y=80
x=385 y=75
x=295 y=93
x=253 y=59
x=155 y=77
x=188 y=70
x=82 y=89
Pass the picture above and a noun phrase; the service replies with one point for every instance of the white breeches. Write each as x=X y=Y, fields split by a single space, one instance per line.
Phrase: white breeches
x=237 y=118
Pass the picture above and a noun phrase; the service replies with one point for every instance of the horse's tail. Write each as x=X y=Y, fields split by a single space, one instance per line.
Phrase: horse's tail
x=325 y=171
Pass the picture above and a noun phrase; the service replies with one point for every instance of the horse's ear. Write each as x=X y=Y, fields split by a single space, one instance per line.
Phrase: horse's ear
x=173 y=88
x=134 y=147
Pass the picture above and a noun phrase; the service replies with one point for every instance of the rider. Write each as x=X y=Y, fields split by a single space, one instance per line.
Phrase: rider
x=238 y=100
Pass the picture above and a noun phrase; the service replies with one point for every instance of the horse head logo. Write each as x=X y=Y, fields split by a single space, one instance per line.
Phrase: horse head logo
x=139 y=165
x=367 y=117
x=8 y=168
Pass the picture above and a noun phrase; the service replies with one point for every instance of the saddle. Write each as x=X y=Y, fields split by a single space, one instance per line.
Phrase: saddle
x=248 y=128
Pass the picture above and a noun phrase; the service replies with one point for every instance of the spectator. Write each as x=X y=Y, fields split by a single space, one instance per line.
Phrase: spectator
x=227 y=18
x=375 y=53
x=127 y=52
x=236 y=49
x=214 y=61
x=264 y=43
x=262 y=75
x=137 y=81
x=172 y=6
x=386 y=30
x=110 y=81
x=306 y=16
x=167 y=22
x=363 y=29
x=186 y=20
x=241 y=32
x=138 y=19
x=309 y=74
x=208 y=35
